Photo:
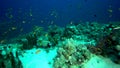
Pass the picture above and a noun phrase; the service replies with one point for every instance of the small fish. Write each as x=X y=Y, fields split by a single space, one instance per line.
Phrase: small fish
x=51 y=22
x=13 y=28
x=46 y=35
x=117 y=28
x=37 y=52
x=2 y=41
x=71 y=22
x=110 y=10
x=119 y=9
x=21 y=29
x=23 y=22
x=42 y=21
x=11 y=16
x=110 y=15
x=95 y=15
x=31 y=14
x=85 y=0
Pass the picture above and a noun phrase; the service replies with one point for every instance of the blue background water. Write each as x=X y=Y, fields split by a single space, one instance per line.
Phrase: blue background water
x=24 y=14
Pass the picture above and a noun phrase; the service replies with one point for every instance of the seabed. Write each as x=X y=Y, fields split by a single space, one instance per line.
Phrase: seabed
x=90 y=45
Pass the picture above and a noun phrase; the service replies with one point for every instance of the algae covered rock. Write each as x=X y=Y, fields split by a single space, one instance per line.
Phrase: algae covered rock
x=43 y=41
x=9 y=56
x=71 y=55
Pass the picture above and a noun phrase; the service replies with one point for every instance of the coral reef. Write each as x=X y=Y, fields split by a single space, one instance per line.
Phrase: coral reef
x=43 y=41
x=74 y=44
x=108 y=46
x=71 y=54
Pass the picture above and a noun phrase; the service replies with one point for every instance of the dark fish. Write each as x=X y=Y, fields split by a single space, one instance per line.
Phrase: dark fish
x=95 y=15
x=85 y=0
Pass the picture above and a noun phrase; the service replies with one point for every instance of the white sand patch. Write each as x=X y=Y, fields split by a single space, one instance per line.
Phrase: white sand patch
x=100 y=62
x=40 y=60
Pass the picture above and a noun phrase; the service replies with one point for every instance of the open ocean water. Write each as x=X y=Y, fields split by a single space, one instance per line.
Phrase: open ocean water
x=19 y=16
x=59 y=33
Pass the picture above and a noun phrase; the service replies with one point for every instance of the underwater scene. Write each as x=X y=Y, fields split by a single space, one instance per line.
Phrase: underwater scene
x=59 y=33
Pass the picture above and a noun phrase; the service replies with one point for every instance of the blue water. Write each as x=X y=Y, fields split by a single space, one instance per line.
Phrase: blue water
x=23 y=15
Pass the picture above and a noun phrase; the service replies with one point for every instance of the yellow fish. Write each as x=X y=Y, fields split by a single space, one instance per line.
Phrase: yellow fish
x=13 y=28
x=110 y=10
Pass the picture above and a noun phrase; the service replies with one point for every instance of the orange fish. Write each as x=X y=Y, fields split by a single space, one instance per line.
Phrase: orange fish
x=37 y=52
